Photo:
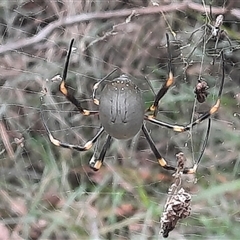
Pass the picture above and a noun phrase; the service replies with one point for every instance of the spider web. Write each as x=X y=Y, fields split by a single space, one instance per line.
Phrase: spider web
x=51 y=193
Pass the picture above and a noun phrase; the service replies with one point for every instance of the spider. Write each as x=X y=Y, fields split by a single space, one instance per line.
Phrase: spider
x=214 y=32
x=122 y=115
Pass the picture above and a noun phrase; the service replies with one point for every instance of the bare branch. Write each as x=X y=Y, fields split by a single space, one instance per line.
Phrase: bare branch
x=45 y=32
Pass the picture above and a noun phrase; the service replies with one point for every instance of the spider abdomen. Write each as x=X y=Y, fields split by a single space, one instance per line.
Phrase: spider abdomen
x=121 y=108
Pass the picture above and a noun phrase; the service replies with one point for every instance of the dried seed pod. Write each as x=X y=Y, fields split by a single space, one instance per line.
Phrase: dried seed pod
x=178 y=202
x=177 y=208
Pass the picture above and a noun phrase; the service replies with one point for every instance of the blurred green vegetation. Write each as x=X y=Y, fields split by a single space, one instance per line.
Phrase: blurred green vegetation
x=51 y=193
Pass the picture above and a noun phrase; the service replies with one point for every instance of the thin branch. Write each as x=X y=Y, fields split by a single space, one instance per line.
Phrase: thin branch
x=45 y=32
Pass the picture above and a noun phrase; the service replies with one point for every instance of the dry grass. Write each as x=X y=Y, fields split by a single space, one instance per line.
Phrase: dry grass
x=50 y=193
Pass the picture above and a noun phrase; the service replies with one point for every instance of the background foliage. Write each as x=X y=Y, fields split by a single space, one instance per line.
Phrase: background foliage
x=50 y=193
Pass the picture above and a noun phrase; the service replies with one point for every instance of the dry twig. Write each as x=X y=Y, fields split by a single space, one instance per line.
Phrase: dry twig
x=45 y=32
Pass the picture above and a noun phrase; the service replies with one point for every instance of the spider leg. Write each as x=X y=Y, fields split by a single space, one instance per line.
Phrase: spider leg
x=212 y=110
x=163 y=163
x=224 y=34
x=206 y=27
x=179 y=128
x=168 y=83
x=216 y=42
x=58 y=143
x=228 y=39
x=195 y=47
x=196 y=164
x=160 y=159
x=198 y=29
x=96 y=85
x=64 y=88
x=96 y=164
x=215 y=49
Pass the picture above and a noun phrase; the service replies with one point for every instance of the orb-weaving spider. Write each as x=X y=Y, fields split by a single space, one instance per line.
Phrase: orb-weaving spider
x=122 y=114
x=213 y=30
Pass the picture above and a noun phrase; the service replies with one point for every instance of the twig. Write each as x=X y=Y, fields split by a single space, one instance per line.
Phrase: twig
x=45 y=32
x=6 y=140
